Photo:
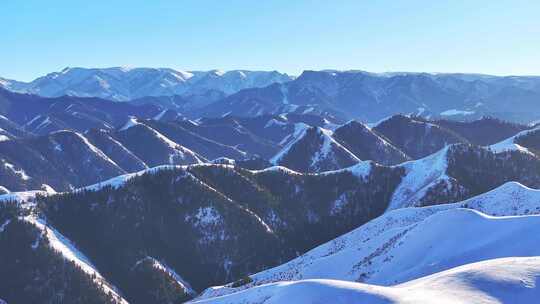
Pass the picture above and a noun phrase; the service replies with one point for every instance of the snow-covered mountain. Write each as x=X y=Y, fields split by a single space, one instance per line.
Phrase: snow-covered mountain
x=288 y=213
x=313 y=149
x=346 y=94
x=158 y=148
x=367 y=144
x=370 y=97
x=416 y=137
x=316 y=149
x=40 y=116
x=277 y=191
x=527 y=141
x=66 y=159
x=411 y=243
x=122 y=84
x=61 y=159
x=507 y=280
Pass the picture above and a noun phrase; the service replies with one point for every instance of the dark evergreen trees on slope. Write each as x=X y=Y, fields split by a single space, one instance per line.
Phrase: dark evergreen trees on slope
x=482 y=170
x=31 y=271
x=484 y=131
x=214 y=224
x=122 y=156
x=187 y=134
x=416 y=137
x=472 y=170
x=154 y=283
x=315 y=150
x=368 y=145
x=11 y=129
x=203 y=235
x=231 y=132
x=305 y=209
x=154 y=148
x=530 y=140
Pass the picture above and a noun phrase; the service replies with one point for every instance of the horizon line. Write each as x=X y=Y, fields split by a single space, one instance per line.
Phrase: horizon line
x=293 y=75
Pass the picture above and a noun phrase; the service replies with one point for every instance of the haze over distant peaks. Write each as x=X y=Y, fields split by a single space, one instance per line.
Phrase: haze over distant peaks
x=126 y=83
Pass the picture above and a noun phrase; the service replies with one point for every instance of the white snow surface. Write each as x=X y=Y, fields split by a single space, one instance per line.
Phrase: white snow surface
x=132 y=121
x=22 y=196
x=497 y=281
x=121 y=180
x=276 y=169
x=224 y=161
x=410 y=243
x=362 y=169
x=456 y=112
x=420 y=175
x=510 y=144
x=20 y=172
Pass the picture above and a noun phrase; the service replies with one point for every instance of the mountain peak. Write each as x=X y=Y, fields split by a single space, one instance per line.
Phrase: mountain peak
x=127 y=83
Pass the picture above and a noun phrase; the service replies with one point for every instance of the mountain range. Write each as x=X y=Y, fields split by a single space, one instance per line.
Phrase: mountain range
x=370 y=97
x=122 y=83
x=360 y=95
x=157 y=186
x=285 y=212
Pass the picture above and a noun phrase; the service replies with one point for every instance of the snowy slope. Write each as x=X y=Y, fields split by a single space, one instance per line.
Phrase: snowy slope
x=132 y=121
x=67 y=249
x=367 y=144
x=510 y=144
x=121 y=180
x=313 y=149
x=22 y=196
x=508 y=280
x=420 y=175
x=409 y=243
x=158 y=148
x=26 y=196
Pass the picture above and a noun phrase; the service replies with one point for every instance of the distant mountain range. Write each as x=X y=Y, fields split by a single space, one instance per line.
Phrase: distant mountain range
x=68 y=142
x=345 y=95
x=370 y=97
x=122 y=84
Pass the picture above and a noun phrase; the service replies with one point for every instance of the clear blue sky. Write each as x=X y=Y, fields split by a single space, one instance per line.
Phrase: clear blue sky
x=497 y=37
